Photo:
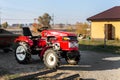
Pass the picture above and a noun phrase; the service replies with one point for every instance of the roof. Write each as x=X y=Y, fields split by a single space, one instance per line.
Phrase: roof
x=112 y=14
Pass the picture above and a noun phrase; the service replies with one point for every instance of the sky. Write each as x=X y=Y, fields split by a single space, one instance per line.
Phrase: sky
x=64 y=11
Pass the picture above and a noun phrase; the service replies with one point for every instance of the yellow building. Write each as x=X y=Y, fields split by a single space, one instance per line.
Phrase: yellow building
x=106 y=25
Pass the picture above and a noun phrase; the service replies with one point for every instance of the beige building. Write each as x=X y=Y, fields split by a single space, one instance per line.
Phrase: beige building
x=106 y=25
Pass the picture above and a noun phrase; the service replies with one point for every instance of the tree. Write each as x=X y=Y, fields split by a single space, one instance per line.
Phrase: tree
x=5 y=25
x=45 y=20
x=69 y=28
x=36 y=27
x=61 y=25
x=81 y=28
x=20 y=25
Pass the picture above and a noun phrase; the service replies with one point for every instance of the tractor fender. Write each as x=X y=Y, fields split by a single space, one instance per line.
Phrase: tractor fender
x=24 y=39
x=43 y=50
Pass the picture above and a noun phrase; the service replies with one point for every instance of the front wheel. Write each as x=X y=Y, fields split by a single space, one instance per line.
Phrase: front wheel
x=22 y=54
x=73 y=58
x=51 y=59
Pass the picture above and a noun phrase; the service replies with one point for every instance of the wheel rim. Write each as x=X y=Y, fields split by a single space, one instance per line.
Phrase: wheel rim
x=71 y=61
x=51 y=59
x=20 y=53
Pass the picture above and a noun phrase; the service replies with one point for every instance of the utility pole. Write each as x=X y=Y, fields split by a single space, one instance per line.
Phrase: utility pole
x=0 y=18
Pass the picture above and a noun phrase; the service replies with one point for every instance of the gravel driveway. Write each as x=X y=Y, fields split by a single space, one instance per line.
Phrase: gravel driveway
x=93 y=66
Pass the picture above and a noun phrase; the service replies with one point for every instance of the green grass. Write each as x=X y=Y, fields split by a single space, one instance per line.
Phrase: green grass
x=98 y=46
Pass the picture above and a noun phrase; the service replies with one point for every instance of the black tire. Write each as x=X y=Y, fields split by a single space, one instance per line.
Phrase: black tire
x=73 y=59
x=51 y=59
x=22 y=54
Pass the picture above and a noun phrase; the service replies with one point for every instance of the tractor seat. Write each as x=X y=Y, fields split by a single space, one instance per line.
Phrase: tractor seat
x=27 y=32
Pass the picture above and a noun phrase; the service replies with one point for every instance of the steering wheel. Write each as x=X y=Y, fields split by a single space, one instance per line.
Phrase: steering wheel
x=42 y=28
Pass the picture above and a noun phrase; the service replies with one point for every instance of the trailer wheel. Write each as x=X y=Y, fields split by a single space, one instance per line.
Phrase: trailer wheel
x=51 y=59
x=22 y=54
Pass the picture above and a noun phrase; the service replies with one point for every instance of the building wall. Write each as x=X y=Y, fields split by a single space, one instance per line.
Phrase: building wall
x=97 y=29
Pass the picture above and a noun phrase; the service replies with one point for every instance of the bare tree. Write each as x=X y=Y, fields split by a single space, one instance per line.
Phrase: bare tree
x=81 y=28
x=45 y=20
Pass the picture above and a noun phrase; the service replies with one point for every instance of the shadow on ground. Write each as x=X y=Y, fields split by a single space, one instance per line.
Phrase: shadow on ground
x=37 y=76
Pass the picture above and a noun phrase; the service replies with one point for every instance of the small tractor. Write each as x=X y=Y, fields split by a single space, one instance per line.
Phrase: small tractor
x=50 y=46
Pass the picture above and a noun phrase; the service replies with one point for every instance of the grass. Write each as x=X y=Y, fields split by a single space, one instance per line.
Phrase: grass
x=98 y=46
x=9 y=77
x=16 y=77
x=6 y=75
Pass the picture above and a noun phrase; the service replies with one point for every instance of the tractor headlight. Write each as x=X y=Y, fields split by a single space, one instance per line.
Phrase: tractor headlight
x=73 y=44
x=56 y=46
x=66 y=38
x=70 y=38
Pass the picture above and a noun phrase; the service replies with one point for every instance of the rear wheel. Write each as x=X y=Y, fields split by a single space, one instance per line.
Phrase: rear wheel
x=51 y=59
x=22 y=54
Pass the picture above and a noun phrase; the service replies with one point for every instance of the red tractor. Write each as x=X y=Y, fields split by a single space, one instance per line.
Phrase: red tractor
x=50 y=46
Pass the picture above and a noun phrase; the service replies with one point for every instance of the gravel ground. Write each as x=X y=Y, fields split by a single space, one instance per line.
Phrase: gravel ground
x=93 y=66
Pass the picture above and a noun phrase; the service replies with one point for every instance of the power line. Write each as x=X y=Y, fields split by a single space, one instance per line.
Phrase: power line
x=0 y=16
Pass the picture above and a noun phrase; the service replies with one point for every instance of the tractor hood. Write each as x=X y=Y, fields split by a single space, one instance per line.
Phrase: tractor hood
x=46 y=33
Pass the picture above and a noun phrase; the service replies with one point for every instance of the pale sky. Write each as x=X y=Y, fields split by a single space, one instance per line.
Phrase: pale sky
x=65 y=11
